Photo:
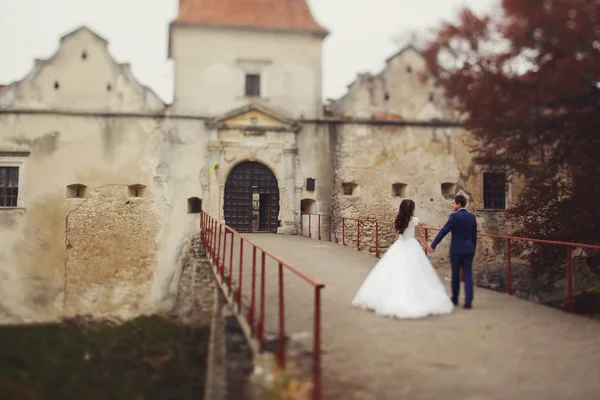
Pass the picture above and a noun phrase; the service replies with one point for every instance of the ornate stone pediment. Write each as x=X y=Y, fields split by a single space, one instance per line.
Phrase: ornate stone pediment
x=254 y=118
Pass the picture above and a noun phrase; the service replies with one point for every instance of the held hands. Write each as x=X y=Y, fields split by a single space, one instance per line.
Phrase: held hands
x=430 y=249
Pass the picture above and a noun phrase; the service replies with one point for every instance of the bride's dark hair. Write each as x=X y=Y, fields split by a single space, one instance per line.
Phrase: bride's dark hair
x=405 y=213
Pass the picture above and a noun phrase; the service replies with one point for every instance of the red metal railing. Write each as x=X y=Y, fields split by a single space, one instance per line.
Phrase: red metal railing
x=377 y=226
x=215 y=237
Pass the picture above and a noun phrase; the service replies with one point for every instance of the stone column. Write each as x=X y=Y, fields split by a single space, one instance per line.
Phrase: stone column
x=215 y=195
x=289 y=223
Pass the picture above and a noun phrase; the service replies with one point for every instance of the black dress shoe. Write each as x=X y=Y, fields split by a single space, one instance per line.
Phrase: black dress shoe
x=454 y=301
x=468 y=306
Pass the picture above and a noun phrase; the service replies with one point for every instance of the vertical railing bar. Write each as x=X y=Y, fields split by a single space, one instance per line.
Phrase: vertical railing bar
x=376 y=239
x=219 y=253
x=317 y=345
x=253 y=294
x=224 y=253
x=358 y=234
x=261 y=318
x=240 y=275
x=571 y=304
x=509 y=268
x=281 y=349
x=319 y=226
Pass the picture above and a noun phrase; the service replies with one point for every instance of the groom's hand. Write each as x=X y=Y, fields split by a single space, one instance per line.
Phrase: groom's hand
x=430 y=249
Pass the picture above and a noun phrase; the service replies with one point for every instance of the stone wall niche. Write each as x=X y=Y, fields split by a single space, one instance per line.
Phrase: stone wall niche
x=399 y=190
x=194 y=205
x=448 y=190
x=137 y=190
x=76 y=191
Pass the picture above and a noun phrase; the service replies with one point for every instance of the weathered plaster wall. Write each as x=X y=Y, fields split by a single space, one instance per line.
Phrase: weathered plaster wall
x=316 y=148
x=179 y=175
x=375 y=157
x=112 y=246
x=81 y=75
x=211 y=63
x=56 y=150
x=94 y=152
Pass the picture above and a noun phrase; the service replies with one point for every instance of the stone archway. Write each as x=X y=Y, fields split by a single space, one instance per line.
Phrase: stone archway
x=251 y=198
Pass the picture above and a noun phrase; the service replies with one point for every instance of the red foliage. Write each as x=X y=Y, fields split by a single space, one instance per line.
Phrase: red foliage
x=527 y=80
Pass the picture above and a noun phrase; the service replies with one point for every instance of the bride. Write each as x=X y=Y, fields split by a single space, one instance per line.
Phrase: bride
x=404 y=284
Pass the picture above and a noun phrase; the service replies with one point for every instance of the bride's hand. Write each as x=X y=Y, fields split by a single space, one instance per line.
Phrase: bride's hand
x=430 y=249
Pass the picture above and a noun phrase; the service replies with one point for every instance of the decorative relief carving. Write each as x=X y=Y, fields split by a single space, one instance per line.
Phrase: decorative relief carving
x=204 y=177
x=252 y=154
x=228 y=156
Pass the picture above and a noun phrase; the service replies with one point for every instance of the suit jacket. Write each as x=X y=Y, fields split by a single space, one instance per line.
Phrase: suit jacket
x=463 y=226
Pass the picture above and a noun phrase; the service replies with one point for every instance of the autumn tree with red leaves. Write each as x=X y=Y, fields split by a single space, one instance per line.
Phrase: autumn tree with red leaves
x=527 y=80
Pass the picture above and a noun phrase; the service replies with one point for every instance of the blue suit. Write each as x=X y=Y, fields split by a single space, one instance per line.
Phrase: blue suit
x=463 y=226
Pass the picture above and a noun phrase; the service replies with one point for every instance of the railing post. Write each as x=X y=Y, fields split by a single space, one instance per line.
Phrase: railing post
x=317 y=346
x=301 y=224
x=281 y=349
x=570 y=303
x=329 y=228
x=358 y=234
x=309 y=226
x=253 y=292
x=261 y=317
x=218 y=264
x=343 y=231
x=319 y=223
x=224 y=253
x=239 y=291
x=509 y=269
x=377 y=239
x=214 y=240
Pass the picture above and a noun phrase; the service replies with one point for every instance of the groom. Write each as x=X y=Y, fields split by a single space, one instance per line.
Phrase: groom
x=463 y=226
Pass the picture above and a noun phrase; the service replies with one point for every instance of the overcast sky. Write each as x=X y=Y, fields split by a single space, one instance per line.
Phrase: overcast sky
x=362 y=33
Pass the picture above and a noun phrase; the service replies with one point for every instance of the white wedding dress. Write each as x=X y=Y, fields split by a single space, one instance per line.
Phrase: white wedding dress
x=404 y=284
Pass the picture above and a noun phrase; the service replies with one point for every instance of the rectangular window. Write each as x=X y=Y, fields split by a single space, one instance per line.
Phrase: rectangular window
x=494 y=190
x=9 y=186
x=348 y=188
x=252 y=85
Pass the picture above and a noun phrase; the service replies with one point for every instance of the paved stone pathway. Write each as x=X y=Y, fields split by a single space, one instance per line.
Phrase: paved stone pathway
x=505 y=348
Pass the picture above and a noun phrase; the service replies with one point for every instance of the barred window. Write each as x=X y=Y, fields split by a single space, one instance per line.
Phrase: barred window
x=9 y=186
x=494 y=190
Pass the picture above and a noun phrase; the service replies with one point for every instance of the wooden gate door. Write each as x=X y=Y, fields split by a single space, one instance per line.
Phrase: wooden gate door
x=245 y=180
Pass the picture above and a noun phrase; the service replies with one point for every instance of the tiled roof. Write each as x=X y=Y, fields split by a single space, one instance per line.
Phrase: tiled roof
x=283 y=15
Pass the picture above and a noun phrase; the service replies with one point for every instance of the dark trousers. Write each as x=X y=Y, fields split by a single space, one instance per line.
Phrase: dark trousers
x=466 y=262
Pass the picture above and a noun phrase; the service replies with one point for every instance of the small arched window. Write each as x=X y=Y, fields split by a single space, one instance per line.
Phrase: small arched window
x=137 y=190
x=448 y=189
x=349 y=188
x=308 y=206
x=399 y=190
x=76 y=191
x=194 y=205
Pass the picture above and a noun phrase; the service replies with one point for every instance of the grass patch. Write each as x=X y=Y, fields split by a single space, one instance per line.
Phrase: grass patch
x=146 y=358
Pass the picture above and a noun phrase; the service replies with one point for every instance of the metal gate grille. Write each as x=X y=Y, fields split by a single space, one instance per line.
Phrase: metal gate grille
x=244 y=180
